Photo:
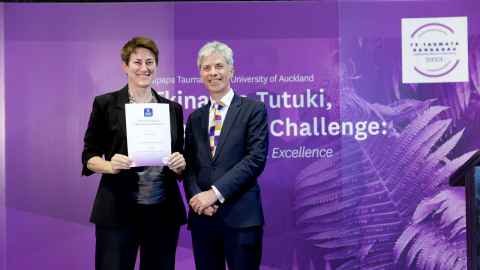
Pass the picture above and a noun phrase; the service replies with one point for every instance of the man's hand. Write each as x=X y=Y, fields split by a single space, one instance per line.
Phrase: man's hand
x=176 y=162
x=210 y=211
x=202 y=201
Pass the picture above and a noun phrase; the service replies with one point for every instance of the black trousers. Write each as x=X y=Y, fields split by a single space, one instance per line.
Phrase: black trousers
x=214 y=243
x=117 y=246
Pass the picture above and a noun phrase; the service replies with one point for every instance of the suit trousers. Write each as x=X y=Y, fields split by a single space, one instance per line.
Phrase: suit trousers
x=214 y=243
x=117 y=246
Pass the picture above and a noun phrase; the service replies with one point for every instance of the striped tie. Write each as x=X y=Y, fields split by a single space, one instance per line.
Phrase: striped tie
x=215 y=126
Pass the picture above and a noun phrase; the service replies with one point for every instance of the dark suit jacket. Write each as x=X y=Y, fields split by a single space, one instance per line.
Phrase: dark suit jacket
x=240 y=158
x=115 y=202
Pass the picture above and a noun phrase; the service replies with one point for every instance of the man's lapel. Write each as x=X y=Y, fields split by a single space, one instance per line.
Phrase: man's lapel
x=227 y=126
x=204 y=132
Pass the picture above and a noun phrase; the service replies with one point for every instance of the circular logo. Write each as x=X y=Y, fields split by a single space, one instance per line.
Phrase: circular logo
x=434 y=45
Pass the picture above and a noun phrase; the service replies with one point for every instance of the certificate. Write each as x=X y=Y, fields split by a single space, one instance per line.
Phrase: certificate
x=148 y=133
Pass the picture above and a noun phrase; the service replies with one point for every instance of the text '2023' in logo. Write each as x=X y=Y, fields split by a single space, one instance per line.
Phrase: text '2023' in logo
x=434 y=50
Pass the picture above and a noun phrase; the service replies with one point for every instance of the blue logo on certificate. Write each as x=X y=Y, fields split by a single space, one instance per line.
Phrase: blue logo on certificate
x=148 y=112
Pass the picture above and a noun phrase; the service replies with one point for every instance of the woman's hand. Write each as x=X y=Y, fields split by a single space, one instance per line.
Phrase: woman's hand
x=119 y=162
x=176 y=162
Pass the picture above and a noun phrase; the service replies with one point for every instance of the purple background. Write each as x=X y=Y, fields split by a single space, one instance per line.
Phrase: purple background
x=3 y=242
x=354 y=211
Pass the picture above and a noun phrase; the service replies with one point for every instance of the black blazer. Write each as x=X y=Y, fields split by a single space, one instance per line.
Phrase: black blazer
x=239 y=159
x=115 y=202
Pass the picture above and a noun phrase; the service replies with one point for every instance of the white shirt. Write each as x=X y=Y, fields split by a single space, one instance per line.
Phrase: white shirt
x=226 y=100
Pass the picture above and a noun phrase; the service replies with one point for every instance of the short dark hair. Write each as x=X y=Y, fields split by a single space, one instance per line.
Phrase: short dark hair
x=138 y=42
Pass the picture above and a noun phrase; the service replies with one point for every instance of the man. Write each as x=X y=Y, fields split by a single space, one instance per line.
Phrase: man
x=226 y=149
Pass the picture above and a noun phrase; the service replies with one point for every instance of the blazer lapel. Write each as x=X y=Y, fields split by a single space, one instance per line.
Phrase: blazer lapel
x=119 y=103
x=232 y=114
x=204 y=139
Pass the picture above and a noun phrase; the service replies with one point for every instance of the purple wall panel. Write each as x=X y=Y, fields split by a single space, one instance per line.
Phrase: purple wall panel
x=370 y=52
x=261 y=20
x=73 y=54
x=382 y=18
x=3 y=228
x=88 y=22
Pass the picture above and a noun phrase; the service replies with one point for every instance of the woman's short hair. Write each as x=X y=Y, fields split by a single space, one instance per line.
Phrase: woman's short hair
x=138 y=42
x=215 y=47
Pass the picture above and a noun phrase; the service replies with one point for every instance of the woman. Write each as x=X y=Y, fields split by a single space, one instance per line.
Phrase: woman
x=134 y=207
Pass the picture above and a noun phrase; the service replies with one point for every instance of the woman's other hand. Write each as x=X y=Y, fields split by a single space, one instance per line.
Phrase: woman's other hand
x=176 y=162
